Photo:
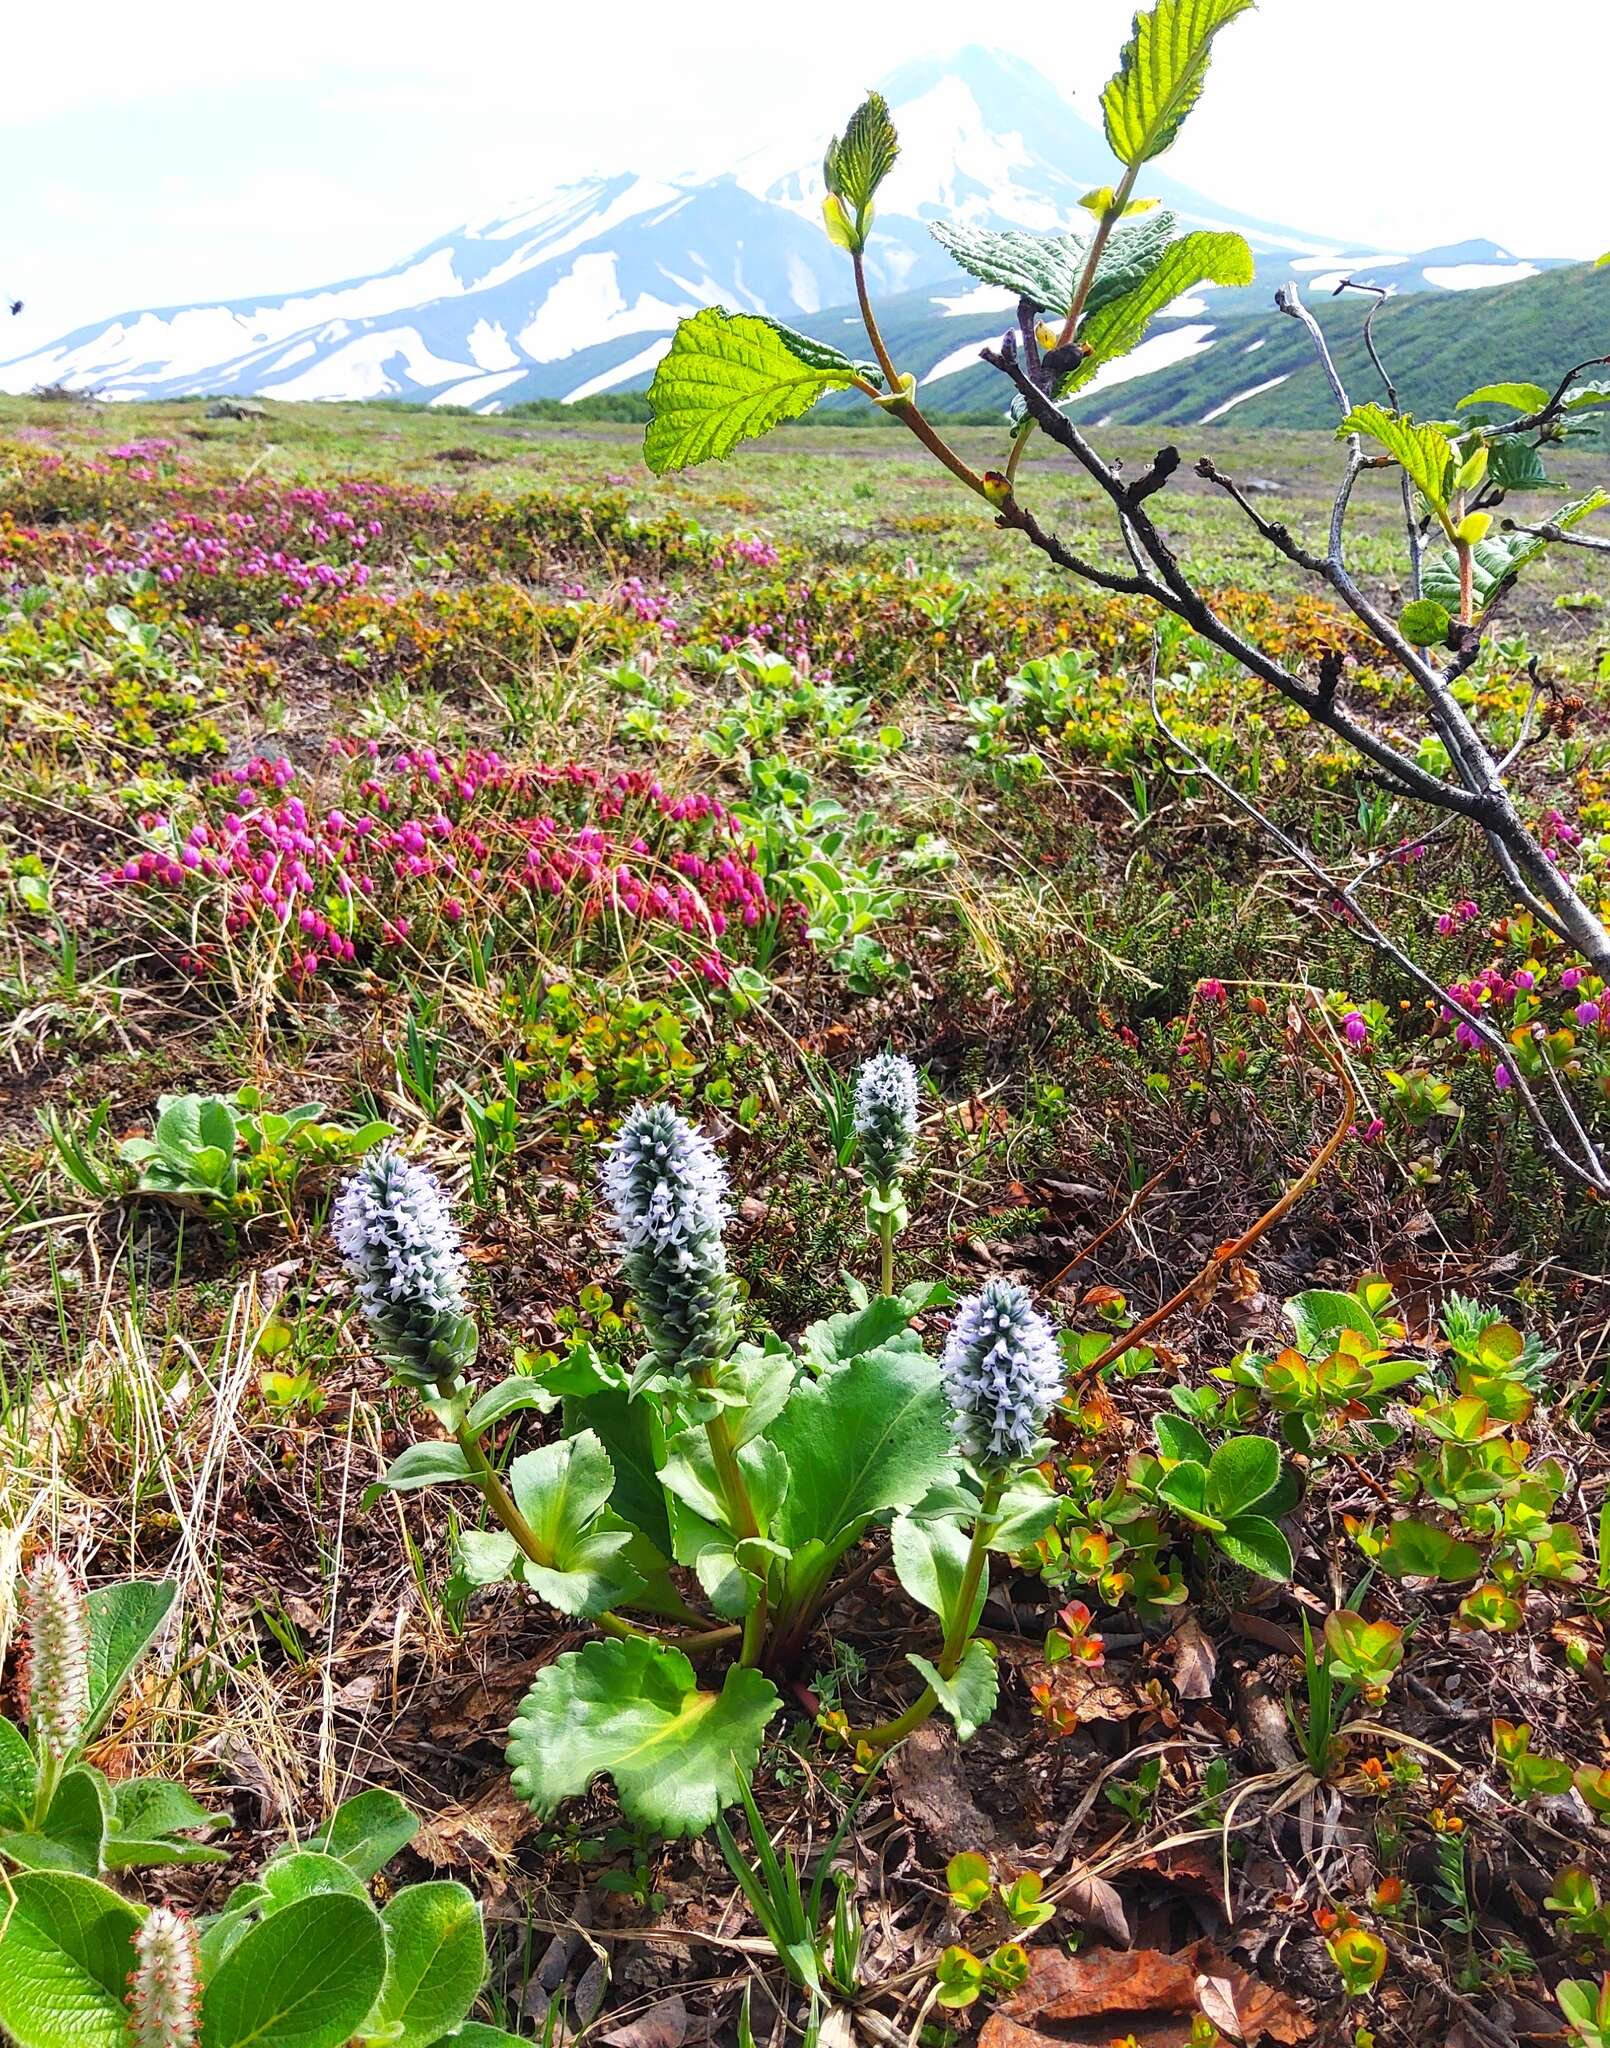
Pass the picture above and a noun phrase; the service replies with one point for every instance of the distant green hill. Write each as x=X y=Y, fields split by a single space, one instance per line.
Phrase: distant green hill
x=1438 y=346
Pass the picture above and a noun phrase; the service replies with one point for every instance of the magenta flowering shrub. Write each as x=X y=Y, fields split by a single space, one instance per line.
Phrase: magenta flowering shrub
x=390 y=854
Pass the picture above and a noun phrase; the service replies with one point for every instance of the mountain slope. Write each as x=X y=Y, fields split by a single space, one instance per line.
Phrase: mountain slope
x=577 y=293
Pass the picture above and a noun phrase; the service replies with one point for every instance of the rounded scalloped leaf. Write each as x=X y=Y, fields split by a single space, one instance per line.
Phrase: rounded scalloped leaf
x=633 y=1710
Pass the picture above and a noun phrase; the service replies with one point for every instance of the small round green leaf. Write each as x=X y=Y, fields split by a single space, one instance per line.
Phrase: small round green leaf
x=65 y=1956
x=1257 y=1545
x=437 y=1963
x=1241 y=1471
x=304 y=1978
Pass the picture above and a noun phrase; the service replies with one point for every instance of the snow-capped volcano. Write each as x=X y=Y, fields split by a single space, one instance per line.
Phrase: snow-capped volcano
x=577 y=292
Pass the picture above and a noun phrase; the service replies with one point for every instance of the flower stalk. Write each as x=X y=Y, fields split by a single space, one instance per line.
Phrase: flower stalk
x=886 y=1132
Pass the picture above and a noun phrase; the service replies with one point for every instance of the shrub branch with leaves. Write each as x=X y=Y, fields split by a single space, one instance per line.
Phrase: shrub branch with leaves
x=1085 y=300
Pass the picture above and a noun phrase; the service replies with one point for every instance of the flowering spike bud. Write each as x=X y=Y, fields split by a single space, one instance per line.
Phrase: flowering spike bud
x=666 y=1187
x=395 y=1229
x=56 y=1681
x=886 y=1116
x=1002 y=1372
x=163 y=1998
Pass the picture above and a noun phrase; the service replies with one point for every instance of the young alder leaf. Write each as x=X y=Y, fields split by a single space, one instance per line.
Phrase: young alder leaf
x=304 y=1978
x=1425 y=623
x=1495 y=560
x=634 y=1709
x=1119 y=324
x=969 y=1695
x=1161 y=73
x=1520 y=397
x=861 y=158
x=1424 y=452
x=65 y=1958
x=1257 y=1545
x=728 y=377
x=1516 y=465
x=123 y=1624
x=1046 y=269
x=436 y=1963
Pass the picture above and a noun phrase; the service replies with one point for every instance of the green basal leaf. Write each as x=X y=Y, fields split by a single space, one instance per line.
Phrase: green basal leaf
x=930 y=1561
x=18 y=1775
x=65 y=1957
x=1519 y=397
x=969 y=1696
x=561 y=1490
x=633 y=1709
x=509 y=1397
x=123 y=1624
x=1495 y=560
x=420 y=1465
x=366 y=1831
x=1161 y=73
x=436 y=1964
x=1419 y=1550
x=1257 y=1545
x=836 y=1339
x=484 y=1557
x=1241 y=1471
x=1424 y=452
x=859 y=160
x=729 y=377
x=632 y=1432
x=862 y=1441
x=1120 y=324
x=1028 y=1508
x=303 y=1978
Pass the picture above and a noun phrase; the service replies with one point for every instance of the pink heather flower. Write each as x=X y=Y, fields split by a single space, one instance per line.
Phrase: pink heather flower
x=1571 y=978
x=1373 y=1131
x=1445 y=924
x=1357 y=1031
x=1501 y=1078
x=57 y=1671
x=1587 y=1014
x=164 y=1996
x=1212 y=991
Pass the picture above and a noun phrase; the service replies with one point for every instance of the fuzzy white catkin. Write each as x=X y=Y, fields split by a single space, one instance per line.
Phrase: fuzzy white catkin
x=667 y=1194
x=886 y=1116
x=1003 y=1373
x=58 y=1657
x=163 y=1995
x=395 y=1229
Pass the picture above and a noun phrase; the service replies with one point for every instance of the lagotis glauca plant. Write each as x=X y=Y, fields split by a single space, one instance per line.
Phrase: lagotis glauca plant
x=752 y=1465
x=1087 y=299
x=299 y=1956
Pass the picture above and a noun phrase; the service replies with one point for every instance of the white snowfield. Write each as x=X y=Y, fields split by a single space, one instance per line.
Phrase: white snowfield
x=576 y=292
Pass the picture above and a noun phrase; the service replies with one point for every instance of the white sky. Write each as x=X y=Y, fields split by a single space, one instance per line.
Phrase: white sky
x=181 y=151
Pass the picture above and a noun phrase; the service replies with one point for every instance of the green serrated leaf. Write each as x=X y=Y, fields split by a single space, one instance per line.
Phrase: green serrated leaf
x=1501 y=556
x=1120 y=324
x=1161 y=73
x=436 y=1964
x=1519 y=397
x=728 y=377
x=509 y=1397
x=1257 y=1545
x=862 y=1441
x=632 y=1433
x=420 y=1465
x=968 y=1696
x=1424 y=452
x=633 y=1709
x=1425 y=623
x=304 y=1978
x=64 y=1962
x=1517 y=466
x=861 y=158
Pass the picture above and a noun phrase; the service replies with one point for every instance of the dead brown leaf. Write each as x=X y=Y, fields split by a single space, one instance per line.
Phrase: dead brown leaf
x=663 y=2026
x=1108 y=1986
x=1195 y=1660
x=1082 y=1691
x=1095 y=1903
x=482 y=1836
